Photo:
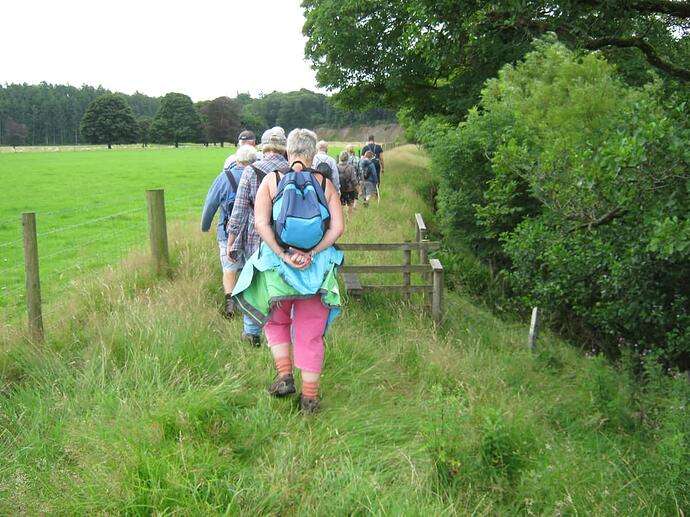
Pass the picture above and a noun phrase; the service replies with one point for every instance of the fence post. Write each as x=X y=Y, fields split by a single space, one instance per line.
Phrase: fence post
x=534 y=329
x=33 y=280
x=437 y=295
x=158 y=232
x=421 y=236
x=407 y=276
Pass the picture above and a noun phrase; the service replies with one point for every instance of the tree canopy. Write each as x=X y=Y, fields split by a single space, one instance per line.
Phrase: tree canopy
x=109 y=120
x=433 y=56
x=222 y=120
x=176 y=121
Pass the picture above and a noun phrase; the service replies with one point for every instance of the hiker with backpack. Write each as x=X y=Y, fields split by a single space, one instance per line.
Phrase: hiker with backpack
x=377 y=158
x=243 y=240
x=222 y=194
x=290 y=283
x=348 y=183
x=370 y=179
x=245 y=137
x=323 y=162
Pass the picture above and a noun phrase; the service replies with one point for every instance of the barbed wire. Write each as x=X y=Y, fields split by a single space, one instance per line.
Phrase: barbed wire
x=79 y=243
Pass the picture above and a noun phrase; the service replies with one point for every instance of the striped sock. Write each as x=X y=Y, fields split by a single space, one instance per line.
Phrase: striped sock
x=284 y=366
x=310 y=390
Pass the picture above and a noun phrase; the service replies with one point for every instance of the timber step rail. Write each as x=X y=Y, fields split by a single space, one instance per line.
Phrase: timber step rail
x=431 y=271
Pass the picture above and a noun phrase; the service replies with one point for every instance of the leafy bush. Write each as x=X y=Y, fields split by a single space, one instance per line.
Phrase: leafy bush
x=578 y=186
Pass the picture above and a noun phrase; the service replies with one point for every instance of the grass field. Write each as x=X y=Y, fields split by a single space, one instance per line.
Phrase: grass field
x=90 y=208
x=145 y=402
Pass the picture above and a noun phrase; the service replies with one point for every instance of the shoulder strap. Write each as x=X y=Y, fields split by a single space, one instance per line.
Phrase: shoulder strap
x=277 y=177
x=231 y=179
x=259 y=173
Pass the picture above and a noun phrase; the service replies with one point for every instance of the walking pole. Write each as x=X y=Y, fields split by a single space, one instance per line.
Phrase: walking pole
x=378 y=196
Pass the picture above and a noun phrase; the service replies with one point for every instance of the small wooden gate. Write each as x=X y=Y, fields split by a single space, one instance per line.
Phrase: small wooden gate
x=431 y=271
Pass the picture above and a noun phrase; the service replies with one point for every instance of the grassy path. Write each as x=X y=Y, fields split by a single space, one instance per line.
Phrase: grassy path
x=146 y=402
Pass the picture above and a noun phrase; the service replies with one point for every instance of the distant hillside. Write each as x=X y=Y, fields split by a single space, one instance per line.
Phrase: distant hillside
x=381 y=132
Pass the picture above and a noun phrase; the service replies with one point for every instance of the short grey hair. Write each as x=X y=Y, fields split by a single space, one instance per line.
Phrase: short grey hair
x=322 y=145
x=246 y=154
x=302 y=142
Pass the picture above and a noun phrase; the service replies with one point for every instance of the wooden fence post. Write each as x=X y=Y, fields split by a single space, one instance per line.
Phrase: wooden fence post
x=534 y=329
x=407 y=277
x=437 y=295
x=33 y=280
x=158 y=232
x=421 y=235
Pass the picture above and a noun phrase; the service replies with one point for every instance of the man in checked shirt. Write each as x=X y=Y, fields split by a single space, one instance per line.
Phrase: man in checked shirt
x=243 y=240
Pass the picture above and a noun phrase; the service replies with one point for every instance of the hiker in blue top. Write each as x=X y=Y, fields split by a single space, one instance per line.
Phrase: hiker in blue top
x=290 y=283
x=222 y=195
x=370 y=179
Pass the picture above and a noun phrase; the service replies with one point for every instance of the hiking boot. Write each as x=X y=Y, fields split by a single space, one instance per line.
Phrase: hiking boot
x=229 y=310
x=282 y=386
x=308 y=406
x=253 y=339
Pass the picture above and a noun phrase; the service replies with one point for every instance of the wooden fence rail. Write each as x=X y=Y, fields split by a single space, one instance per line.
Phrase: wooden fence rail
x=431 y=270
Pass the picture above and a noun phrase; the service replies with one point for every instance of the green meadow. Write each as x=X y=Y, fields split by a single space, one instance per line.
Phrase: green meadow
x=144 y=401
x=90 y=207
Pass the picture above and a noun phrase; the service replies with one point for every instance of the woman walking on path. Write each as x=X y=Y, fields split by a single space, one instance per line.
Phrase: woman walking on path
x=222 y=194
x=294 y=292
x=348 y=183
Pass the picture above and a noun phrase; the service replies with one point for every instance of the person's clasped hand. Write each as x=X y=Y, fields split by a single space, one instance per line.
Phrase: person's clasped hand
x=298 y=259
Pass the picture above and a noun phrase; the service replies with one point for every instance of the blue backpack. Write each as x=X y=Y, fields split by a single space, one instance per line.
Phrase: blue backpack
x=300 y=210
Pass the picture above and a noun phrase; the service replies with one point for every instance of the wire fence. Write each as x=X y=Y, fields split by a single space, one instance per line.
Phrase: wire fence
x=98 y=240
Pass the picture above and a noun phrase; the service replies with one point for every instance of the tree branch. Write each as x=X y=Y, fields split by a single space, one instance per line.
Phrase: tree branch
x=604 y=219
x=650 y=53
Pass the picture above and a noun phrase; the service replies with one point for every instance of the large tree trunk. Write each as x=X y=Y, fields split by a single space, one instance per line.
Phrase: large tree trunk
x=110 y=146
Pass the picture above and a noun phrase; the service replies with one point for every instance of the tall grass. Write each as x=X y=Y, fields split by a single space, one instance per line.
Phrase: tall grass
x=145 y=401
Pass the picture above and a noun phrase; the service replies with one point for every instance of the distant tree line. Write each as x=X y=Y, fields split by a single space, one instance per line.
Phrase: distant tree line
x=47 y=114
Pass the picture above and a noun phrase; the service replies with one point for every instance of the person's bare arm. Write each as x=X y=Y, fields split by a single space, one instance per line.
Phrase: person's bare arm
x=336 y=226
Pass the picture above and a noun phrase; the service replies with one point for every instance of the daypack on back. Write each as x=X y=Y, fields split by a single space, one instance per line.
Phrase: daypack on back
x=325 y=170
x=347 y=177
x=300 y=210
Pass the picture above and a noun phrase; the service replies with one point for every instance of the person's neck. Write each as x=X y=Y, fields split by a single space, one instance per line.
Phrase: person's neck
x=298 y=166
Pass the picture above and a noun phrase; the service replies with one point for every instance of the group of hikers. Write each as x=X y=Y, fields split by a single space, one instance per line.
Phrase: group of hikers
x=281 y=212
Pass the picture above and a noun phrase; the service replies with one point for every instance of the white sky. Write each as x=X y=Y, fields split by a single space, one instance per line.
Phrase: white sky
x=157 y=46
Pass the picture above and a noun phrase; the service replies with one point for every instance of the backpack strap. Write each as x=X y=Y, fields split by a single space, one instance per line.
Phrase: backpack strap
x=259 y=173
x=231 y=179
x=277 y=177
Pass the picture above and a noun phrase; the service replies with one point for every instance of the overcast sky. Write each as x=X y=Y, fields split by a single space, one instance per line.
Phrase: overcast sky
x=156 y=47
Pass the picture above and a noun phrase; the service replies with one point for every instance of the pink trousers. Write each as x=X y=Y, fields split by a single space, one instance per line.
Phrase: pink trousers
x=307 y=317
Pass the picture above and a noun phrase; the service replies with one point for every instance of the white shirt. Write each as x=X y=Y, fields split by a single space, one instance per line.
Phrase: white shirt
x=323 y=157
